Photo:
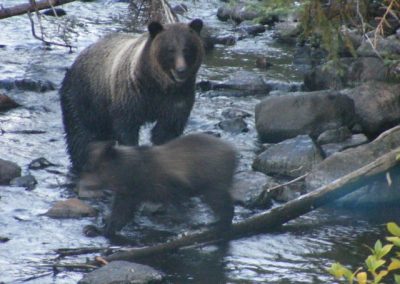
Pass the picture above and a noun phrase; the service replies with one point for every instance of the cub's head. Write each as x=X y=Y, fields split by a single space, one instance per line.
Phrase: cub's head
x=107 y=166
x=176 y=49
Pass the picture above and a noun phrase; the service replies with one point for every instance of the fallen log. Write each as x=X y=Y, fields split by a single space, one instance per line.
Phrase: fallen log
x=278 y=215
x=30 y=7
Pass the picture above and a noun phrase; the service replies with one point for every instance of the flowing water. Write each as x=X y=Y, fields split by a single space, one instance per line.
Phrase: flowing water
x=299 y=252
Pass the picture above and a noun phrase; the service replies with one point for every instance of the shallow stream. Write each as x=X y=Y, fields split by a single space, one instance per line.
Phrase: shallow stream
x=299 y=252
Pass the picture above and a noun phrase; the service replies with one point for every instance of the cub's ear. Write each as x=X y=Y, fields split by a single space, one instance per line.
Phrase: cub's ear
x=196 y=25
x=154 y=28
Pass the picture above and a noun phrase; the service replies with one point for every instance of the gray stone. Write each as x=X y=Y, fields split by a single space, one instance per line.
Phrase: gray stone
x=342 y=163
x=29 y=182
x=283 y=117
x=287 y=32
x=239 y=12
x=248 y=189
x=71 y=208
x=6 y=103
x=354 y=141
x=234 y=125
x=290 y=158
x=385 y=46
x=8 y=171
x=377 y=106
x=230 y=113
x=27 y=85
x=334 y=135
x=243 y=83
x=121 y=272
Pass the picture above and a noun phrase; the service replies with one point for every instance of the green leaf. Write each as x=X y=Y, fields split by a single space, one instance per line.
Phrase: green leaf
x=337 y=270
x=379 y=276
x=378 y=245
x=394 y=240
x=397 y=278
x=394 y=264
x=373 y=263
x=384 y=251
x=393 y=229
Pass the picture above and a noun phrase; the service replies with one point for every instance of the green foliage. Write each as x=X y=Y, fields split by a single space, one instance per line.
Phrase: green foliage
x=378 y=266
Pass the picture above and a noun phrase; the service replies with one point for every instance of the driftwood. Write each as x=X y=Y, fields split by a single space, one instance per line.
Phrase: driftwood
x=279 y=215
x=30 y=7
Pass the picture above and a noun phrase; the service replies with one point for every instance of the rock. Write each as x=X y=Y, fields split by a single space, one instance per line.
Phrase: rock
x=354 y=71
x=385 y=46
x=377 y=106
x=243 y=83
x=248 y=189
x=287 y=32
x=4 y=240
x=342 y=163
x=180 y=9
x=8 y=171
x=334 y=135
x=353 y=141
x=224 y=40
x=123 y=272
x=89 y=193
x=274 y=85
x=55 y=12
x=27 y=85
x=283 y=117
x=263 y=63
x=231 y=113
x=40 y=163
x=285 y=193
x=290 y=158
x=6 y=103
x=28 y=182
x=248 y=28
x=238 y=12
x=71 y=208
x=234 y=125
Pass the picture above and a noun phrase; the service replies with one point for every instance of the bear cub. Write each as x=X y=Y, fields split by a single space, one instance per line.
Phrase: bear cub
x=123 y=81
x=196 y=164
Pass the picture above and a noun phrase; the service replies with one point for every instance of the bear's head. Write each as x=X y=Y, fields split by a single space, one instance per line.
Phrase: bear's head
x=107 y=166
x=177 y=49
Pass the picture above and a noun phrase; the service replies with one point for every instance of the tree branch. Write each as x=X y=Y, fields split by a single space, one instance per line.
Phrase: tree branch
x=28 y=7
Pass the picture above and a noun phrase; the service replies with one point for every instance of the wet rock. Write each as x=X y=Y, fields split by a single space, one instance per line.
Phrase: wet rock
x=224 y=40
x=249 y=28
x=28 y=182
x=282 y=117
x=55 y=12
x=180 y=9
x=123 y=272
x=285 y=193
x=342 y=163
x=274 y=85
x=4 y=239
x=238 y=12
x=27 y=85
x=308 y=56
x=234 y=125
x=353 y=141
x=249 y=187
x=290 y=158
x=287 y=32
x=71 y=208
x=353 y=71
x=334 y=135
x=263 y=63
x=40 y=163
x=385 y=46
x=377 y=106
x=231 y=113
x=6 y=103
x=8 y=171
x=243 y=83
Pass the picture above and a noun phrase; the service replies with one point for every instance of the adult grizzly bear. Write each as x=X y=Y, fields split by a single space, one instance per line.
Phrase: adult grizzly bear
x=196 y=164
x=122 y=81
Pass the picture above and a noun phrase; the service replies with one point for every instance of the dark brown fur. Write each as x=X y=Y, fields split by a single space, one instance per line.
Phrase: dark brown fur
x=121 y=82
x=196 y=164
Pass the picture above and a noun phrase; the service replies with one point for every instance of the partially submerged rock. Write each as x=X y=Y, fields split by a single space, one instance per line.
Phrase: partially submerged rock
x=71 y=208
x=28 y=182
x=123 y=272
x=6 y=103
x=27 y=85
x=8 y=171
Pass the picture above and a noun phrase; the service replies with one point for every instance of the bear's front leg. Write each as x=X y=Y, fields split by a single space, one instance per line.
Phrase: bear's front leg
x=171 y=122
x=123 y=209
x=126 y=132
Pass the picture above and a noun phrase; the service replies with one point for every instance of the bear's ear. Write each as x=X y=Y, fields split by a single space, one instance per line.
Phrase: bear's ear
x=154 y=28
x=196 y=25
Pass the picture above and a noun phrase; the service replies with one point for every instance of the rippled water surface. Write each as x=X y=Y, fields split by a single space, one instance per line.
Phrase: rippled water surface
x=297 y=253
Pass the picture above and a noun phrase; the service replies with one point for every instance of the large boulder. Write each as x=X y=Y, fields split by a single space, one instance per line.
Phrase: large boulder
x=290 y=158
x=71 y=208
x=342 y=163
x=238 y=12
x=8 y=171
x=283 y=117
x=123 y=272
x=353 y=71
x=377 y=106
x=385 y=46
